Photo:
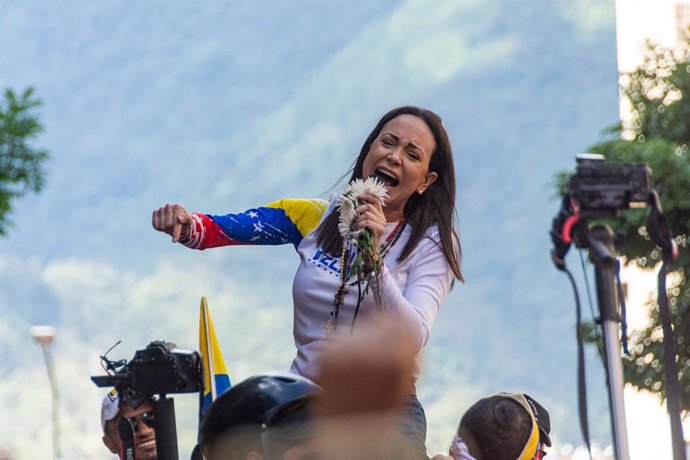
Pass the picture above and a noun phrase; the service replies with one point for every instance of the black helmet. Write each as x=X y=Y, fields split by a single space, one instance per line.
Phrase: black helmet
x=257 y=402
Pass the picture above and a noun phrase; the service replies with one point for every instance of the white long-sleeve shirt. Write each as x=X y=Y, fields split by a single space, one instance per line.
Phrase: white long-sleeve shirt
x=412 y=290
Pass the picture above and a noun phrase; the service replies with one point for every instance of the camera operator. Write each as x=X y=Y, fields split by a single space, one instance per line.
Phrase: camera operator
x=114 y=411
x=159 y=369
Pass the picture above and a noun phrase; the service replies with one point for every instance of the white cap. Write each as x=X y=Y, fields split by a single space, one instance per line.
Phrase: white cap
x=110 y=407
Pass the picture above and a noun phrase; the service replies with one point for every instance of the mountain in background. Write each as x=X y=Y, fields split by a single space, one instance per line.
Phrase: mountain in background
x=222 y=106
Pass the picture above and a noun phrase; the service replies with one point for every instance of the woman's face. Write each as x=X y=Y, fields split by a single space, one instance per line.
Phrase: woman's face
x=399 y=157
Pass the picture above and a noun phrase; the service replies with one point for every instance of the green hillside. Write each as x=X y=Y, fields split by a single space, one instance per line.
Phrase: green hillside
x=229 y=105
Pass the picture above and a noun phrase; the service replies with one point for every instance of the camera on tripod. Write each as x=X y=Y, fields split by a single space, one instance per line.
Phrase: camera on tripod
x=161 y=368
x=602 y=189
x=598 y=190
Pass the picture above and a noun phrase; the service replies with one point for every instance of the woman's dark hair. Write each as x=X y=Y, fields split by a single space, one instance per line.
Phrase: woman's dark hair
x=500 y=427
x=435 y=206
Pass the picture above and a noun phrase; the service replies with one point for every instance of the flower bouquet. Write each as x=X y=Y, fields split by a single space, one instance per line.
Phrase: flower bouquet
x=368 y=261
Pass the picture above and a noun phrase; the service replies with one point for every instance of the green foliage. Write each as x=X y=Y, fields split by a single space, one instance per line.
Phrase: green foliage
x=644 y=367
x=657 y=134
x=20 y=164
x=657 y=92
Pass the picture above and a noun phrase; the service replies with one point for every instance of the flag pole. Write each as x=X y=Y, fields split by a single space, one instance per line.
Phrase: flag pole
x=211 y=370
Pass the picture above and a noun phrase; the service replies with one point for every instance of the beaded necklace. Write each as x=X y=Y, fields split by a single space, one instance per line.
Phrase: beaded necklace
x=345 y=262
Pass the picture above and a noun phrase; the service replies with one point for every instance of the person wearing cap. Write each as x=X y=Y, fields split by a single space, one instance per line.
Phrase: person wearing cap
x=265 y=417
x=505 y=426
x=541 y=416
x=141 y=419
x=109 y=417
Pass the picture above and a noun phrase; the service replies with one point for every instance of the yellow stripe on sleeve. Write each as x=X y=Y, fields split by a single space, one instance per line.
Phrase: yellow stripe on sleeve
x=305 y=214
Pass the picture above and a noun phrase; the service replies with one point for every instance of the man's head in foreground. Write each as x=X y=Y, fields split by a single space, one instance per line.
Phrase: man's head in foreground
x=505 y=426
x=265 y=417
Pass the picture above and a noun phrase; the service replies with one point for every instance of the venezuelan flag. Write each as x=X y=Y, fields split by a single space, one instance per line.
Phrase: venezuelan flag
x=216 y=379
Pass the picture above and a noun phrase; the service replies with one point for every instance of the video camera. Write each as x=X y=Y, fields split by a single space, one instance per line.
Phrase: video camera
x=598 y=190
x=601 y=189
x=161 y=368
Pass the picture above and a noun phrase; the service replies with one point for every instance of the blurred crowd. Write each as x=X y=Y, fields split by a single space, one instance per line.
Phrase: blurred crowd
x=350 y=412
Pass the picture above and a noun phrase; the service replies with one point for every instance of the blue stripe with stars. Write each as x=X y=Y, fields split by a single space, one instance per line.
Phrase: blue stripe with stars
x=272 y=224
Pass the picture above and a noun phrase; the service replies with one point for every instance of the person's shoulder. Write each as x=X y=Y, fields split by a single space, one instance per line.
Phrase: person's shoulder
x=431 y=238
x=433 y=233
x=429 y=245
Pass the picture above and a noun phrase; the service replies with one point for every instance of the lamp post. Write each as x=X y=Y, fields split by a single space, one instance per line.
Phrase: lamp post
x=44 y=335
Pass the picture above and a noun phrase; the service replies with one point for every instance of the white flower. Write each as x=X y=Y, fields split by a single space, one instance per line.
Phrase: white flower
x=348 y=200
x=347 y=215
x=371 y=186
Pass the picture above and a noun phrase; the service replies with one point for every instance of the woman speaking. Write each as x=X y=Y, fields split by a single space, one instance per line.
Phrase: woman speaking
x=387 y=244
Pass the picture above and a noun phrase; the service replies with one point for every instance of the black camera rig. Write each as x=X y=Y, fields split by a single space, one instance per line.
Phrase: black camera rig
x=159 y=369
x=598 y=190
x=602 y=189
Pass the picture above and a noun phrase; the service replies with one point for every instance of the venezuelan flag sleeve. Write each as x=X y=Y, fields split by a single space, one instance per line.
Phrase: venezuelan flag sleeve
x=216 y=378
x=281 y=222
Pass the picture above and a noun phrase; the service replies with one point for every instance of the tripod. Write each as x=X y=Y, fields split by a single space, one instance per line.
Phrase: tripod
x=166 y=433
x=602 y=252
